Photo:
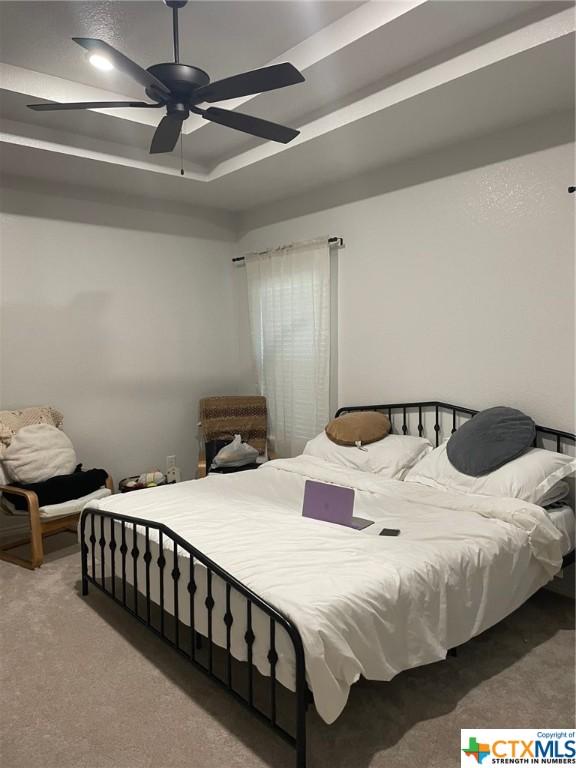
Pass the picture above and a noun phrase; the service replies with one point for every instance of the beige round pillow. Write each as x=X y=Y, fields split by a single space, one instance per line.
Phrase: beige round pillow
x=39 y=452
x=358 y=427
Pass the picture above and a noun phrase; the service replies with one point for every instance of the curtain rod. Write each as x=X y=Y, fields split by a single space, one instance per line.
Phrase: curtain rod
x=334 y=242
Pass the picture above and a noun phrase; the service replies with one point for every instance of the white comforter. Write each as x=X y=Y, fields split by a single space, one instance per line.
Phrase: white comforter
x=364 y=604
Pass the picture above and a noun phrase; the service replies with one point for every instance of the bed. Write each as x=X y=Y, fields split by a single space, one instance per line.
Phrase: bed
x=284 y=611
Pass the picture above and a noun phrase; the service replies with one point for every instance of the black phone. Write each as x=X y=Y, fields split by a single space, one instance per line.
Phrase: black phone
x=389 y=532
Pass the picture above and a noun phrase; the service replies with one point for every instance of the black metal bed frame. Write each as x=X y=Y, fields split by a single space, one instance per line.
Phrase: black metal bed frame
x=186 y=640
x=438 y=409
x=191 y=650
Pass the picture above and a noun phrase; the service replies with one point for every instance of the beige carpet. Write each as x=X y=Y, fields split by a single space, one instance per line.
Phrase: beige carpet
x=84 y=686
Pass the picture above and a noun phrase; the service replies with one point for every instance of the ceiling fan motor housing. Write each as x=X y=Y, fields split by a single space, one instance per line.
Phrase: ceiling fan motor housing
x=181 y=79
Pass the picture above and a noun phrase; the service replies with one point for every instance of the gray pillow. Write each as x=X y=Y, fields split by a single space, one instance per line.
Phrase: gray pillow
x=489 y=440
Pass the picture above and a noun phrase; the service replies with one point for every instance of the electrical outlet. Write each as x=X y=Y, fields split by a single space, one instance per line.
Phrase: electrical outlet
x=173 y=475
x=170 y=462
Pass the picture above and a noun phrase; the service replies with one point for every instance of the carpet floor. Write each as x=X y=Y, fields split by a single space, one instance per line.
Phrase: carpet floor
x=85 y=686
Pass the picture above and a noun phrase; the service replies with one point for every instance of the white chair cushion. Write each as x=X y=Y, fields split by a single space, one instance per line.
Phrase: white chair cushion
x=64 y=509
x=37 y=453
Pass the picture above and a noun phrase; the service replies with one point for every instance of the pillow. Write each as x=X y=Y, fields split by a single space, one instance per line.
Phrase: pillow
x=362 y=427
x=557 y=493
x=390 y=457
x=489 y=440
x=529 y=477
x=37 y=453
x=12 y=421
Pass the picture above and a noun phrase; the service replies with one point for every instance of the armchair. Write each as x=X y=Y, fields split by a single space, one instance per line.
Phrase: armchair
x=49 y=518
x=223 y=417
x=44 y=521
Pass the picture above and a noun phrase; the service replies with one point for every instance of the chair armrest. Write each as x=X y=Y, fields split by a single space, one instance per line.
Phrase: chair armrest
x=30 y=496
x=201 y=472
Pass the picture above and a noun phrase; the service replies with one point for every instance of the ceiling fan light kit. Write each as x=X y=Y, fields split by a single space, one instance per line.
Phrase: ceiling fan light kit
x=100 y=62
x=181 y=88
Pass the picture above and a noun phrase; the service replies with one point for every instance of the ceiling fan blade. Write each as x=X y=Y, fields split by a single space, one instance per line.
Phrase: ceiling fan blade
x=123 y=63
x=248 y=124
x=166 y=135
x=248 y=83
x=51 y=106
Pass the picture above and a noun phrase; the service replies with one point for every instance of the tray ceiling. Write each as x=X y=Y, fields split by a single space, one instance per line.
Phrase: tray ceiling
x=384 y=80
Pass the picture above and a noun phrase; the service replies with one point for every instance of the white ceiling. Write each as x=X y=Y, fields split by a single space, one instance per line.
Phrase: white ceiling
x=219 y=36
x=385 y=80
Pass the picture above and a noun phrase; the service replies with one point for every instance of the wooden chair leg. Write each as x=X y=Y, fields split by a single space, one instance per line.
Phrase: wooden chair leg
x=36 y=545
x=8 y=557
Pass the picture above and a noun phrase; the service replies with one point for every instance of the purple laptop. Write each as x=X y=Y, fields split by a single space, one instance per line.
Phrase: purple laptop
x=331 y=503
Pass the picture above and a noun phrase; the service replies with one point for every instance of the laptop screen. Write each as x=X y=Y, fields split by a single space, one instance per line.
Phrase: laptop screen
x=331 y=503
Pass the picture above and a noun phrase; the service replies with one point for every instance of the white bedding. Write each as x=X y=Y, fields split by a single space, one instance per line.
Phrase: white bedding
x=365 y=605
x=562 y=515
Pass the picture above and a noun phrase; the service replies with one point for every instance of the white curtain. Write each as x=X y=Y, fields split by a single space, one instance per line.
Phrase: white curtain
x=289 y=301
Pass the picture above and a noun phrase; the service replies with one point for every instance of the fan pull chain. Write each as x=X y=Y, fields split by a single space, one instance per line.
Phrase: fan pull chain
x=181 y=158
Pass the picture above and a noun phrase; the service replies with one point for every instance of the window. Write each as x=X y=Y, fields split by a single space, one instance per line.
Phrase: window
x=289 y=301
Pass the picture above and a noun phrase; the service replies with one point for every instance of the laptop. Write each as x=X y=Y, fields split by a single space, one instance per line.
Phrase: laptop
x=332 y=504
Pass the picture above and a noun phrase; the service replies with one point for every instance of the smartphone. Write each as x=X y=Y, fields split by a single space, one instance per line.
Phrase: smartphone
x=389 y=532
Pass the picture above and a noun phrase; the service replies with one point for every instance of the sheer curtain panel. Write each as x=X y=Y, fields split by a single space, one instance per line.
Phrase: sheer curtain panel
x=289 y=301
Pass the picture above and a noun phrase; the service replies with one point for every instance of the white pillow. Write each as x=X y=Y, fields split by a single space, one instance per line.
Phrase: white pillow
x=390 y=457
x=37 y=453
x=529 y=477
x=557 y=493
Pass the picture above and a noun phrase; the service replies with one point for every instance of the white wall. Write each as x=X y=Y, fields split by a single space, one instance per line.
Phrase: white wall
x=120 y=317
x=458 y=283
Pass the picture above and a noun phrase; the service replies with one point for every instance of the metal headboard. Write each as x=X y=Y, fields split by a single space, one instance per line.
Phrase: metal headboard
x=456 y=414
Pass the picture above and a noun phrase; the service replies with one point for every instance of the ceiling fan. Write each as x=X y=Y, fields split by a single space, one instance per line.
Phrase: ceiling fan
x=181 y=88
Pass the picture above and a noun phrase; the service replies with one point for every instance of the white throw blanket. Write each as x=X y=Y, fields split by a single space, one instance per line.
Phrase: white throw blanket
x=365 y=605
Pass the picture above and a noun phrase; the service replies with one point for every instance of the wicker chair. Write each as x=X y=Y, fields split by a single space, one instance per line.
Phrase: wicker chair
x=220 y=418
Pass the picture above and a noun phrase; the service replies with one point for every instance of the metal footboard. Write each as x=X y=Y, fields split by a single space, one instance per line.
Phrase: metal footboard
x=113 y=562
